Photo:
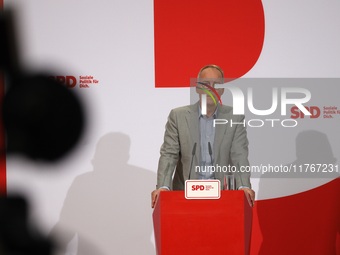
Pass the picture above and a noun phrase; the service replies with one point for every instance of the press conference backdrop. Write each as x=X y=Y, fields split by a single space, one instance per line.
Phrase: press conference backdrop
x=131 y=62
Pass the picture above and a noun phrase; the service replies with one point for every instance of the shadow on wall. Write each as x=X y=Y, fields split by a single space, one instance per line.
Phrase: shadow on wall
x=306 y=222
x=109 y=207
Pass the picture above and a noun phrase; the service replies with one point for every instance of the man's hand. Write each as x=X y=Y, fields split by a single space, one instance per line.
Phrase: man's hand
x=155 y=195
x=250 y=195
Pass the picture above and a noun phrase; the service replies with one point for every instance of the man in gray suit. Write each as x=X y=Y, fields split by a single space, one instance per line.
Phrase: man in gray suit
x=192 y=142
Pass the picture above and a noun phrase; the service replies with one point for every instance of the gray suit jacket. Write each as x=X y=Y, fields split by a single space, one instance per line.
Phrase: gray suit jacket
x=182 y=132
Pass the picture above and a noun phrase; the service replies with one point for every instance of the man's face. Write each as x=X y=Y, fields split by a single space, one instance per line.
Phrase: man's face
x=209 y=76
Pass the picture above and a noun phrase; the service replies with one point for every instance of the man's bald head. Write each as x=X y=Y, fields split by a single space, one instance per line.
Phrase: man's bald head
x=214 y=67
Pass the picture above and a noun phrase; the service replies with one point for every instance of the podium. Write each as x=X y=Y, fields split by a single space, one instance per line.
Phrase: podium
x=192 y=226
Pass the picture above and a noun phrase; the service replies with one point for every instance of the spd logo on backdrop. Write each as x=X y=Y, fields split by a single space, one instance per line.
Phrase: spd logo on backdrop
x=81 y=81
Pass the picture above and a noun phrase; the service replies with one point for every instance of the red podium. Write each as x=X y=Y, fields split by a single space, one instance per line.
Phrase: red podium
x=221 y=226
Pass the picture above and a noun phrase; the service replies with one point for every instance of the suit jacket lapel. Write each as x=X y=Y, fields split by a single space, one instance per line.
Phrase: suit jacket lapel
x=220 y=131
x=192 y=120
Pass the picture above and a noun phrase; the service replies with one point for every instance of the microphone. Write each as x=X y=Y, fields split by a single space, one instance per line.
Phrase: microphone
x=192 y=158
x=210 y=153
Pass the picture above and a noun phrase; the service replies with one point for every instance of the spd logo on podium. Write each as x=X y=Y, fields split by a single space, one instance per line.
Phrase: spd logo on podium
x=202 y=189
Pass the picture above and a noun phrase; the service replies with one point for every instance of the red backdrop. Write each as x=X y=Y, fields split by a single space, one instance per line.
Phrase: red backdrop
x=193 y=33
